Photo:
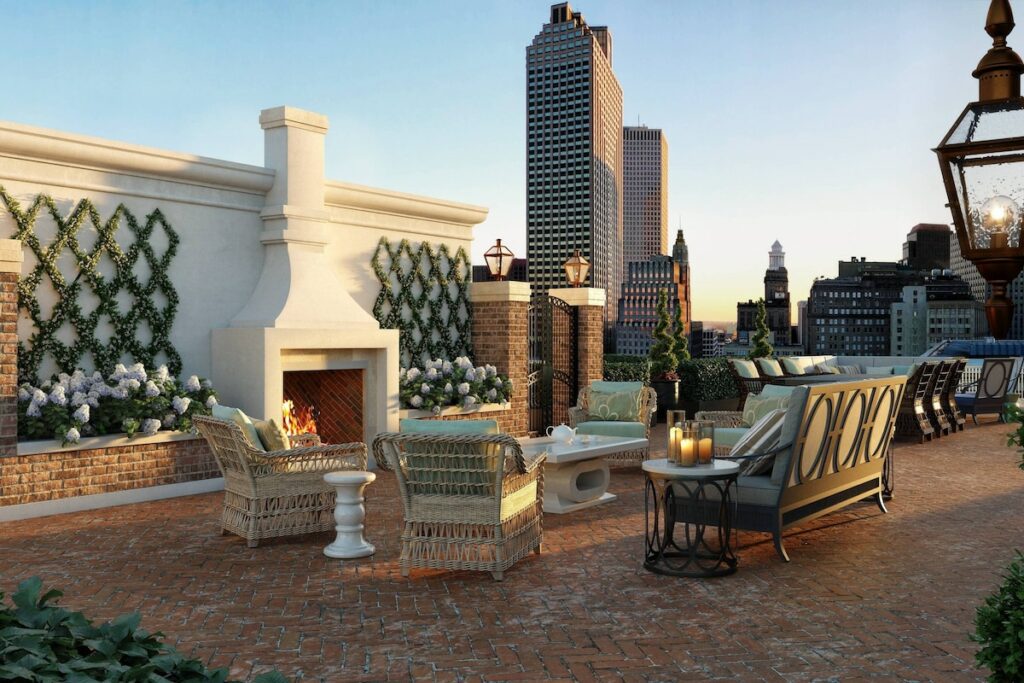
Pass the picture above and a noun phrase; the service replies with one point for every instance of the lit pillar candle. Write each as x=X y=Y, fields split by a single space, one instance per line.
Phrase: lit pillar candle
x=704 y=449
x=675 y=434
x=687 y=453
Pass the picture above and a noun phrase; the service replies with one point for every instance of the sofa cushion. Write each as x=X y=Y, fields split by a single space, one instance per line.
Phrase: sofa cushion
x=749 y=490
x=728 y=436
x=635 y=430
x=762 y=437
x=907 y=370
x=758 y=405
x=612 y=387
x=826 y=369
x=850 y=369
x=745 y=368
x=242 y=420
x=878 y=370
x=770 y=367
x=272 y=435
x=792 y=366
x=614 y=406
x=790 y=427
x=412 y=426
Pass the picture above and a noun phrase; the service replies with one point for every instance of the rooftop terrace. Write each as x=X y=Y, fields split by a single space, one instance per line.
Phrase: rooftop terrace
x=867 y=595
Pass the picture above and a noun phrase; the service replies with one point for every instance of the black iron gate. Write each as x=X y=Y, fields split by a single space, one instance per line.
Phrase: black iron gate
x=554 y=361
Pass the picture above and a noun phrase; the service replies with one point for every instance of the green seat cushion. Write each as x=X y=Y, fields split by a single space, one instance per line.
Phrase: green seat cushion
x=242 y=420
x=776 y=390
x=749 y=490
x=728 y=436
x=878 y=370
x=412 y=426
x=636 y=430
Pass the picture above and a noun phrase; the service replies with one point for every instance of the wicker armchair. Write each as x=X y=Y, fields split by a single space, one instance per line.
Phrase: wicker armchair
x=648 y=406
x=471 y=501
x=280 y=493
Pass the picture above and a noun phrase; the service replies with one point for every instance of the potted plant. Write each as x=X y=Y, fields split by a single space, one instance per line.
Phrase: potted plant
x=664 y=361
x=760 y=347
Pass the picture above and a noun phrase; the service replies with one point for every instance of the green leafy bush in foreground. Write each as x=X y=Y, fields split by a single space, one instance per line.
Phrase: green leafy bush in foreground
x=40 y=642
x=1000 y=627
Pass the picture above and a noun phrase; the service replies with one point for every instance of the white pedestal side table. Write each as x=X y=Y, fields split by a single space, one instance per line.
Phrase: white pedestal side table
x=349 y=514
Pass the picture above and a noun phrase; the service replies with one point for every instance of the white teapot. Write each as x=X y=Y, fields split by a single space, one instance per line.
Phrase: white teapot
x=562 y=432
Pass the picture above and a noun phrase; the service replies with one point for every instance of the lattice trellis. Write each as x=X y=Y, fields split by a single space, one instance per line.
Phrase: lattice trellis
x=424 y=294
x=124 y=340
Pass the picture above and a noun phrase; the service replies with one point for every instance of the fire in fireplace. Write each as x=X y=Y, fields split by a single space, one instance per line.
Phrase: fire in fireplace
x=326 y=402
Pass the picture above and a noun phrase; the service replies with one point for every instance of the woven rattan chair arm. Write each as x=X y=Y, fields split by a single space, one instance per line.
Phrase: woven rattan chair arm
x=305 y=440
x=318 y=458
x=536 y=461
x=513 y=451
x=577 y=416
x=515 y=482
x=721 y=418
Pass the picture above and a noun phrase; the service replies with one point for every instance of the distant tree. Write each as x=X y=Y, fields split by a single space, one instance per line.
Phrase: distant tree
x=663 y=352
x=681 y=338
x=760 y=347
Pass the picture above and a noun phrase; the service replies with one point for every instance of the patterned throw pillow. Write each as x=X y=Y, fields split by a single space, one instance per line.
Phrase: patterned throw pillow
x=849 y=370
x=619 y=406
x=757 y=406
x=770 y=367
x=272 y=435
x=826 y=369
x=763 y=436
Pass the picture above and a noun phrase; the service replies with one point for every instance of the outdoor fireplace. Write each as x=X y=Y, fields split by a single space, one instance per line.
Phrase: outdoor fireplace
x=329 y=402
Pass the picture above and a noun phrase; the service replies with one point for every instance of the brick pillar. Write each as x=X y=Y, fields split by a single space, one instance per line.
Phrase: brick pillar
x=589 y=304
x=10 y=269
x=500 y=321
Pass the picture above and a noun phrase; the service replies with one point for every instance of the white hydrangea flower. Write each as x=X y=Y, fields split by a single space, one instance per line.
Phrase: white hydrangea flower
x=64 y=379
x=79 y=382
x=470 y=375
x=492 y=394
x=464 y=388
x=169 y=420
x=57 y=396
x=161 y=373
x=491 y=370
x=431 y=374
x=469 y=402
x=152 y=389
x=448 y=388
x=150 y=426
x=72 y=436
x=33 y=410
x=436 y=410
x=446 y=368
x=416 y=401
x=138 y=371
x=119 y=392
x=497 y=382
x=97 y=377
x=119 y=371
x=424 y=388
x=412 y=374
x=211 y=402
x=130 y=383
x=192 y=384
x=181 y=404
x=39 y=397
x=207 y=384
x=78 y=399
x=24 y=394
x=93 y=399
x=82 y=414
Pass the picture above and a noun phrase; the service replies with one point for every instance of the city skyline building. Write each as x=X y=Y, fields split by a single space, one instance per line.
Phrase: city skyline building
x=638 y=304
x=941 y=308
x=574 y=156
x=644 y=193
x=776 y=303
x=927 y=246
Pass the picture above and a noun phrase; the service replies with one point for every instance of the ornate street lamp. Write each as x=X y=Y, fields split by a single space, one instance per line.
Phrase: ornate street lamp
x=577 y=267
x=982 y=161
x=499 y=260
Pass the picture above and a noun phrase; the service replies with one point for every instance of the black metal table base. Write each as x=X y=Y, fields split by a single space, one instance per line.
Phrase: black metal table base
x=703 y=548
x=888 y=476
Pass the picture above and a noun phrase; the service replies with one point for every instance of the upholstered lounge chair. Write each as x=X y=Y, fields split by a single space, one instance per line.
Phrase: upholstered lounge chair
x=586 y=417
x=988 y=394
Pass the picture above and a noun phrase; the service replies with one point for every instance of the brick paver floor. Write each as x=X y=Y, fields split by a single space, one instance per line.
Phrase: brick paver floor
x=867 y=595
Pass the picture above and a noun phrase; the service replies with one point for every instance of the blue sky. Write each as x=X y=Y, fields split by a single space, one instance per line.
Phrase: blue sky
x=806 y=121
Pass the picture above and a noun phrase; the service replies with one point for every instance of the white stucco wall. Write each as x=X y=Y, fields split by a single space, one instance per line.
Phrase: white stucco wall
x=215 y=208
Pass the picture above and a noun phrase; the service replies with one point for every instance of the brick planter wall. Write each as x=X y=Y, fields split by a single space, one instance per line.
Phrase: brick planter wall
x=67 y=473
x=500 y=329
x=8 y=363
x=508 y=420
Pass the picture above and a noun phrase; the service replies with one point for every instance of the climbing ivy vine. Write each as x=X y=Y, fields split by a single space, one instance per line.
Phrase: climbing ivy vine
x=127 y=316
x=424 y=294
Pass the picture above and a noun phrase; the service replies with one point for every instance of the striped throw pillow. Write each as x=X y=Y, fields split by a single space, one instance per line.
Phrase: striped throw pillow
x=763 y=436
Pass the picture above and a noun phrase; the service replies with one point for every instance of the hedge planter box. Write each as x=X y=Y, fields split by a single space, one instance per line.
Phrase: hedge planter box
x=668 y=396
x=45 y=471
x=486 y=411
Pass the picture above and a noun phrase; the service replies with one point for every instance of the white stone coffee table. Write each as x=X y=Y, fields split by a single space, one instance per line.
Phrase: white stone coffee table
x=575 y=474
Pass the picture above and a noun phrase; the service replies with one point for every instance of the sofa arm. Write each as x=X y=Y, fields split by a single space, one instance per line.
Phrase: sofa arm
x=721 y=418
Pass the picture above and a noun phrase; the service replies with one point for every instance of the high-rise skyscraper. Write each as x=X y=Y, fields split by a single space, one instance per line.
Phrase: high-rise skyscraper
x=644 y=194
x=573 y=155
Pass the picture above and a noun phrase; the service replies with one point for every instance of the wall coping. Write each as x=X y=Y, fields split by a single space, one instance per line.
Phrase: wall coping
x=580 y=296
x=362 y=197
x=98 y=442
x=499 y=291
x=407 y=413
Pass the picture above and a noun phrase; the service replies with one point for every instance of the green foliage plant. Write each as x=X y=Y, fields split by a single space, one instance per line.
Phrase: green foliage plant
x=41 y=642
x=1015 y=415
x=151 y=305
x=760 y=347
x=706 y=379
x=625 y=368
x=999 y=625
x=663 y=351
x=442 y=383
x=682 y=339
x=424 y=294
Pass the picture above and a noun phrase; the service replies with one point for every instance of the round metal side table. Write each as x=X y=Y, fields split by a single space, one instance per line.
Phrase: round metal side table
x=704 y=547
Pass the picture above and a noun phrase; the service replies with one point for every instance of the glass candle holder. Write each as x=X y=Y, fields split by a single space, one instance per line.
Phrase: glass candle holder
x=705 y=437
x=674 y=421
x=687 y=445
